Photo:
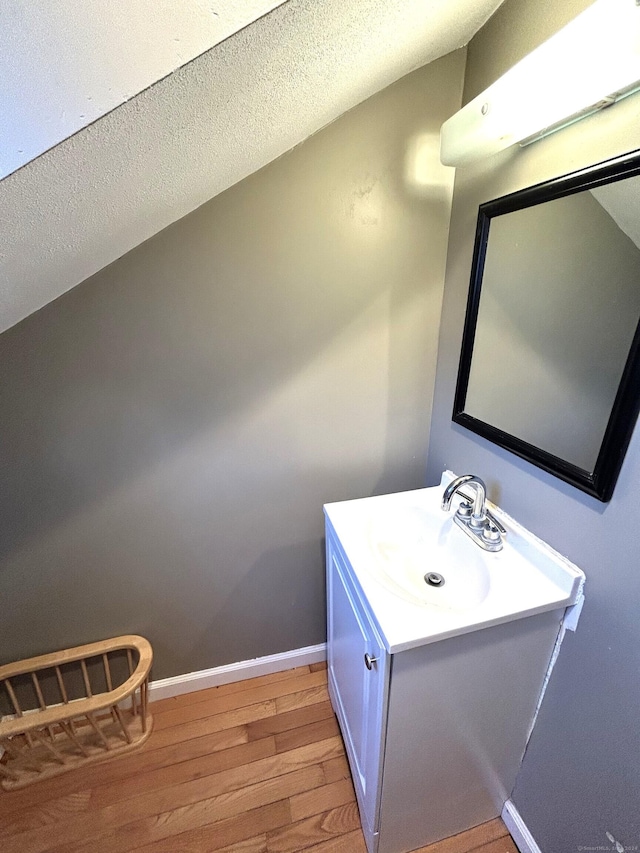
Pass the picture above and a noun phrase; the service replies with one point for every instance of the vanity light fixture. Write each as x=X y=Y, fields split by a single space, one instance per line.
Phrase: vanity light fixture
x=589 y=64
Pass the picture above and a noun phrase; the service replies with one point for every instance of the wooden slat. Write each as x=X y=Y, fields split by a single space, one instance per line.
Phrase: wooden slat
x=14 y=699
x=131 y=668
x=107 y=671
x=36 y=687
x=49 y=661
x=123 y=725
x=61 y=687
x=41 y=702
x=96 y=727
x=144 y=702
x=85 y=678
x=68 y=729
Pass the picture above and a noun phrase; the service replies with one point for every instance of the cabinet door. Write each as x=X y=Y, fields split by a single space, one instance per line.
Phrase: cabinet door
x=358 y=692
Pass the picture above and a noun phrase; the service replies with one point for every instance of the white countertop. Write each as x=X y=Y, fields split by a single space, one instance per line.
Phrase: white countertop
x=524 y=578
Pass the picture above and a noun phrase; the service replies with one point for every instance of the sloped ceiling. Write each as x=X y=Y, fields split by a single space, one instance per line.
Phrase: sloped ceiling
x=144 y=164
x=65 y=63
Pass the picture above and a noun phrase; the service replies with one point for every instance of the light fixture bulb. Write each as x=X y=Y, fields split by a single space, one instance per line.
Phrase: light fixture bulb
x=590 y=63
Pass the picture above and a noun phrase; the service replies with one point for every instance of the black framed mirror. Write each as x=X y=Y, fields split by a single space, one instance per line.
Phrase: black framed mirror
x=550 y=360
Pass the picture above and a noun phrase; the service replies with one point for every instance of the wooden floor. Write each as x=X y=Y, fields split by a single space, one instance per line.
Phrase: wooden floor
x=248 y=767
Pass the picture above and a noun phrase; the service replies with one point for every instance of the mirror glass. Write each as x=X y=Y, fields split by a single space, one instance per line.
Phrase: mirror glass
x=549 y=366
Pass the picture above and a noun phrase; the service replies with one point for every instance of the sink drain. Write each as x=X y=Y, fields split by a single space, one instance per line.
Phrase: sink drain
x=434 y=579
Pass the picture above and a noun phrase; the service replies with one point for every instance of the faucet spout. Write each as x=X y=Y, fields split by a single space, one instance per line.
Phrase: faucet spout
x=478 y=513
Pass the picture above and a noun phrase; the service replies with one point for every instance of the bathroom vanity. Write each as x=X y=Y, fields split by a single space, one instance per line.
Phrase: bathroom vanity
x=435 y=687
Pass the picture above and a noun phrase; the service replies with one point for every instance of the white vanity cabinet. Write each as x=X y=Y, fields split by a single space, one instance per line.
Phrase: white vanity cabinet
x=435 y=731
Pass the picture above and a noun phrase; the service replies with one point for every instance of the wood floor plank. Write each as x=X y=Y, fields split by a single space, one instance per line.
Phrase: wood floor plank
x=46 y=815
x=336 y=768
x=230 y=701
x=213 y=723
x=173 y=702
x=251 y=845
x=175 y=753
x=471 y=840
x=163 y=777
x=225 y=833
x=306 y=734
x=317 y=667
x=350 y=842
x=305 y=833
x=136 y=834
x=289 y=720
x=321 y=799
x=310 y=696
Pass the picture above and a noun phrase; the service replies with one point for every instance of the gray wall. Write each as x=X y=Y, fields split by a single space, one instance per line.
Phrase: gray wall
x=580 y=774
x=170 y=428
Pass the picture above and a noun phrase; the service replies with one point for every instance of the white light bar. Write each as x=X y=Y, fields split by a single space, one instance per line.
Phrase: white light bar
x=591 y=63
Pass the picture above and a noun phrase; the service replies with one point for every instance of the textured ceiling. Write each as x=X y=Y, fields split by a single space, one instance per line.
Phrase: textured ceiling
x=66 y=63
x=232 y=110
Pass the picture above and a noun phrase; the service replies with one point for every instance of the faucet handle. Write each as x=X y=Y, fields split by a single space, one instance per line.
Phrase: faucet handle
x=493 y=520
x=491 y=532
x=465 y=508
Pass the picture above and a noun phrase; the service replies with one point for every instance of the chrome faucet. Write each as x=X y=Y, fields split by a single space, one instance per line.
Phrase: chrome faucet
x=478 y=513
x=472 y=515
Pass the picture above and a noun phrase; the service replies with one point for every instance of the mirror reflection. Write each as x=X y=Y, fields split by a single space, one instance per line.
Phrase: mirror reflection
x=548 y=354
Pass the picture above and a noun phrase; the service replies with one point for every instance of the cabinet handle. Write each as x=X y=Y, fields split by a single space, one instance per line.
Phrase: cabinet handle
x=369 y=661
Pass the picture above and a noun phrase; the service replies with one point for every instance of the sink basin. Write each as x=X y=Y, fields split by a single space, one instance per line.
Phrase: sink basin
x=394 y=541
x=408 y=545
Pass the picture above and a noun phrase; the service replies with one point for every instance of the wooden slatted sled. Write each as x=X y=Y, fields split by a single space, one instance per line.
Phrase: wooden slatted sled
x=73 y=707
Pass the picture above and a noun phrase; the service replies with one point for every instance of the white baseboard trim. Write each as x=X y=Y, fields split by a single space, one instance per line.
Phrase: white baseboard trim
x=524 y=841
x=164 y=688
